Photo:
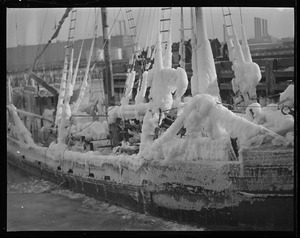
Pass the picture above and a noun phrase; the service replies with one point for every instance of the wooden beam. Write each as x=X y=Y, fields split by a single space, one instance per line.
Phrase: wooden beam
x=43 y=83
x=29 y=114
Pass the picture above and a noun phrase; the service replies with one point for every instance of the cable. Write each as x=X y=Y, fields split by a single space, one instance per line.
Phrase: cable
x=138 y=27
x=212 y=22
x=146 y=44
x=41 y=37
x=152 y=28
x=241 y=16
x=106 y=39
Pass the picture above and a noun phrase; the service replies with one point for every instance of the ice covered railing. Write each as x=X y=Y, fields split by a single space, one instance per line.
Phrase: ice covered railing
x=209 y=127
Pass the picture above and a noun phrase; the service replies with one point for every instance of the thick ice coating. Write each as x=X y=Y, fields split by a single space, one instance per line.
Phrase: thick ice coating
x=19 y=130
x=129 y=85
x=287 y=96
x=271 y=118
x=247 y=73
x=204 y=79
x=164 y=82
x=206 y=122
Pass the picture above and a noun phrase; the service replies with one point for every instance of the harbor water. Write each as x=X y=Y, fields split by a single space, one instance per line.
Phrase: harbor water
x=34 y=204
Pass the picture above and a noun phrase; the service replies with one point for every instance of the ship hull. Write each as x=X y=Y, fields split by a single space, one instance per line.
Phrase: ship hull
x=170 y=200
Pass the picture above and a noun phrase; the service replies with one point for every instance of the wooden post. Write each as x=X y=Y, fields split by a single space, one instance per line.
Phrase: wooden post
x=108 y=64
x=270 y=79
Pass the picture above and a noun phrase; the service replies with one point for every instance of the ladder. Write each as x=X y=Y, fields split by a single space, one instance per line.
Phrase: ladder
x=132 y=27
x=70 y=42
x=165 y=23
x=227 y=19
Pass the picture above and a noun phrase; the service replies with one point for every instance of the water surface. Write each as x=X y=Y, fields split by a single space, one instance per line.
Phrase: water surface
x=37 y=205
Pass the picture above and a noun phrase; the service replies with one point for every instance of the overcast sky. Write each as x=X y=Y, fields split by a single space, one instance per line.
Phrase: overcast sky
x=30 y=26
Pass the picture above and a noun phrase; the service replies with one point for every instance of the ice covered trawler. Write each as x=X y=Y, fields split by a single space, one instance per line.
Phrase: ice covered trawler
x=209 y=167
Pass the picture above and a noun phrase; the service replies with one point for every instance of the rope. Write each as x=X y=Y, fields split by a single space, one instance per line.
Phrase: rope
x=140 y=25
x=78 y=60
x=212 y=22
x=147 y=43
x=152 y=29
x=241 y=16
x=37 y=51
x=115 y=30
x=16 y=20
x=106 y=39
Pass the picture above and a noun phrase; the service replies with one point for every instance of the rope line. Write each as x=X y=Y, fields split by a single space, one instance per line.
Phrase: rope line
x=41 y=36
x=212 y=22
x=147 y=35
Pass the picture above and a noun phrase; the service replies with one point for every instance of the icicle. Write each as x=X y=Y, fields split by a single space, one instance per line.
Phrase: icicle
x=19 y=130
x=101 y=103
x=141 y=94
x=194 y=78
x=66 y=111
x=77 y=67
x=129 y=85
x=245 y=47
x=206 y=71
x=149 y=52
x=230 y=45
x=84 y=82
x=9 y=91
x=168 y=53
x=158 y=62
x=158 y=56
x=238 y=49
x=69 y=87
x=61 y=92
x=131 y=60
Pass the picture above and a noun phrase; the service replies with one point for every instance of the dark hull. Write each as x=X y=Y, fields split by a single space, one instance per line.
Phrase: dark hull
x=257 y=213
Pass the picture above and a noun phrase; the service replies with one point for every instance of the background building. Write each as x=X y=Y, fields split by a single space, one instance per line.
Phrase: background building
x=21 y=58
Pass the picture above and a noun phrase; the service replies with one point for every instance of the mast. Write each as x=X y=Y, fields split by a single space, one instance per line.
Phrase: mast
x=182 y=46
x=205 y=80
x=108 y=65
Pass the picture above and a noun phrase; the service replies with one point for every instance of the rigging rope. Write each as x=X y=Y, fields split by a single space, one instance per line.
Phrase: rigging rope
x=212 y=22
x=79 y=55
x=54 y=35
x=39 y=44
x=139 y=28
x=92 y=68
x=147 y=43
x=16 y=20
x=152 y=29
x=241 y=16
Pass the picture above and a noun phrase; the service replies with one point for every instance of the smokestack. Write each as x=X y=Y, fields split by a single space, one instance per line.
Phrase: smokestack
x=257 y=27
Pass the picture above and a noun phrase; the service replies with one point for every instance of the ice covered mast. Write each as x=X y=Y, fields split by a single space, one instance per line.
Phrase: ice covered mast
x=204 y=79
